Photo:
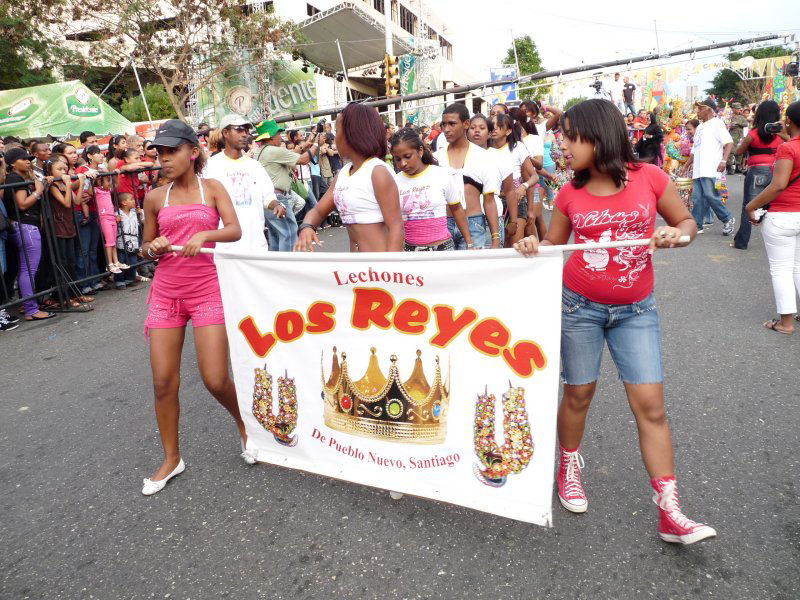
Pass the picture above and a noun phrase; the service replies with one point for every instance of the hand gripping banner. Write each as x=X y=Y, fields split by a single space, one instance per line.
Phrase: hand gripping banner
x=419 y=373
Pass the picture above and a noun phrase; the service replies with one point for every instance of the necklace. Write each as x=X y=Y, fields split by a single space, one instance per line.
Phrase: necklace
x=517 y=449
x=281 y=425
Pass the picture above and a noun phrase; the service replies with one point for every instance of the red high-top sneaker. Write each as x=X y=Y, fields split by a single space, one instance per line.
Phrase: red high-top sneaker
x=570 y=489
x=673 y=525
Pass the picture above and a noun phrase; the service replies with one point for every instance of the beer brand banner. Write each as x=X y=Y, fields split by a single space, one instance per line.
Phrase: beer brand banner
x=433 y=374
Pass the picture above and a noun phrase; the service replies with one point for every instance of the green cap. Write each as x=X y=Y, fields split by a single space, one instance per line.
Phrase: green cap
x=266 y=129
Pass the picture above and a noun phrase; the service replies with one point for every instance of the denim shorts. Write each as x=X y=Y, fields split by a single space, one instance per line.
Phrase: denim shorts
x=478 y=230
x=632 y=332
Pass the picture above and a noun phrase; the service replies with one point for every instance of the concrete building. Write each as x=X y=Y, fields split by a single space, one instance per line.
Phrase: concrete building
x=342 y=55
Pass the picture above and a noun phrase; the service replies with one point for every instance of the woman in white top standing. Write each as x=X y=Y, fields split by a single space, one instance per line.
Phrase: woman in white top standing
x=426 y=190
x=364 y=192
x=506 y=138
x=480 y=132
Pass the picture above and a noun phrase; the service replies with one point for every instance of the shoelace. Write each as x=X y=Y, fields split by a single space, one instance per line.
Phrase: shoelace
x=574 y=465
x=668 y=502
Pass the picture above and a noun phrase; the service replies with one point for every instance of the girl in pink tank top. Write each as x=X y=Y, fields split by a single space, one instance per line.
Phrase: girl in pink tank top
x=185 y=287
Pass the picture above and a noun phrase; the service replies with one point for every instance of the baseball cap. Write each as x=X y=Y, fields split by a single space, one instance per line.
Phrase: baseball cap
x=173 y=133
x=709 y=102
x=267 y=129
x=233 y=120
x=16 y=154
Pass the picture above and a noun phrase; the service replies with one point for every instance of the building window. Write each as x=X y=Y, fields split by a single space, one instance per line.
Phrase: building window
x=257 y=7
x=447 y=48
x=311 y=10
x=379 y=6
x=407 y=20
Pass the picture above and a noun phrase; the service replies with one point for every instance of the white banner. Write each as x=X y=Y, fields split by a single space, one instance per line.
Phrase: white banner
x=420 y=373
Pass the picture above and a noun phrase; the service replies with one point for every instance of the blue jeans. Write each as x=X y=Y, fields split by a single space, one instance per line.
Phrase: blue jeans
x=632 y=332
x=755 y=181
x=551 y=193
x=86 y=247
x=478 y=229
x=281 y=233
x=629 y=108
x=705 y=194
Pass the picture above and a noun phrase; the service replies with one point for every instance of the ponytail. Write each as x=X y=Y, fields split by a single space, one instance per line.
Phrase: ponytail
x=410 y=136
x=507 y=121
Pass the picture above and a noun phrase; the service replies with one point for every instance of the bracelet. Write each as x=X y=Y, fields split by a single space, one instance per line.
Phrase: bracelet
x=150 y=252
x=306 y=226
x=495 y=236
x=526 y=185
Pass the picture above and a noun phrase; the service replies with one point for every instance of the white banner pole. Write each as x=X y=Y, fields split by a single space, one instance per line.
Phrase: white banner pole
x=404 y=256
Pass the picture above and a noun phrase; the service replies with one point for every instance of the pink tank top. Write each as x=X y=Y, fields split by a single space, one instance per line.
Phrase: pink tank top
x=177 y=276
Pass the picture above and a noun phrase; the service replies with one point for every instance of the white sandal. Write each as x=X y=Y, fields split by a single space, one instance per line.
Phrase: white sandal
x=151 y=487
x=250 y=457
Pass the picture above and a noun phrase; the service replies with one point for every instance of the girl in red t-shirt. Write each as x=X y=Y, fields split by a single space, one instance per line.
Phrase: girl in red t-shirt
x=608 y=298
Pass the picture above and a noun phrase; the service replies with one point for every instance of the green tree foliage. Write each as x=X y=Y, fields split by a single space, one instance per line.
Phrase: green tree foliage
x=529 y=63
x=726 y=82
x=174 y=40
x=27 y=55
x=573 y=101
x=158 y=102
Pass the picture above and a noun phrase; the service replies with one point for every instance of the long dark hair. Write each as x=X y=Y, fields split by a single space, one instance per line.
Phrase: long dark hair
x=767 y=112
x=364 y=130
x=521 y=122
x=507 y=121
x=112 y=151
x=410 y=136
x=793 y=112
x=599 y=122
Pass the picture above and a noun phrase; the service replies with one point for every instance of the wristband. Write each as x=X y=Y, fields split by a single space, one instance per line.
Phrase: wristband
x=306 y=226
x=150 y=252
x=526 y=185
x=495 y=236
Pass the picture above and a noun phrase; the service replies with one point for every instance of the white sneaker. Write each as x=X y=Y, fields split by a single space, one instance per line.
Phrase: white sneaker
x=151 y=487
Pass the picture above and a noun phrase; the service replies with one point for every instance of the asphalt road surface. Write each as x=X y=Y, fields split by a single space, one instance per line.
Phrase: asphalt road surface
x=78 y=434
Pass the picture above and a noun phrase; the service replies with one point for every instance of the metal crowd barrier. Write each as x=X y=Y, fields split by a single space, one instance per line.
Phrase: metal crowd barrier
x=61 y=279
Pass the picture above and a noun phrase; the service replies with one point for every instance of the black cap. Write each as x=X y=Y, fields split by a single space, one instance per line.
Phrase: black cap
x=173 y=133
x=16 y=154
x=709 y=102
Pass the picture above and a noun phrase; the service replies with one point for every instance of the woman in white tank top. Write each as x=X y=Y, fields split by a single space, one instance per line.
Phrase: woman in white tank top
x=364 y=192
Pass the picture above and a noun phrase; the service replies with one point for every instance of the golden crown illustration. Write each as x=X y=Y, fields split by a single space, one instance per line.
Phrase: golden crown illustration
x=385 y=408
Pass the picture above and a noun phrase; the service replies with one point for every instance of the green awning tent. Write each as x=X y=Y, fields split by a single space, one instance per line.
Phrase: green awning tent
x=58 y=110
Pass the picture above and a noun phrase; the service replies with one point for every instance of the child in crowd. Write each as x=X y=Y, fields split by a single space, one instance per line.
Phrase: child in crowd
x=608 y=299
x=108 y=224
x=128 y=242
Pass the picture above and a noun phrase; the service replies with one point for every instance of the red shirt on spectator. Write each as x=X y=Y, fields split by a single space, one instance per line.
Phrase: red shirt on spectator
x=86 y=192
x=789 y=199
x=615 y=275
x=762 y=160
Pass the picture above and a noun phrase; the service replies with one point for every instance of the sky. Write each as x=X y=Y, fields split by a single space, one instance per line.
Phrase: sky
x=586 y=31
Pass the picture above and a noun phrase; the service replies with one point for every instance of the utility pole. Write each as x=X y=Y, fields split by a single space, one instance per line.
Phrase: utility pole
x=658 y=46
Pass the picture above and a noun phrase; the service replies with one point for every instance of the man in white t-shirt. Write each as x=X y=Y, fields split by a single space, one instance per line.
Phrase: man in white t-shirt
x=480 y=177
x=712 y=146
x=247 y=183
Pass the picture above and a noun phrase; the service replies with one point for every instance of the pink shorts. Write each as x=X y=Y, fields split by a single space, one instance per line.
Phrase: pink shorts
x=166 y=313
x=108 y=225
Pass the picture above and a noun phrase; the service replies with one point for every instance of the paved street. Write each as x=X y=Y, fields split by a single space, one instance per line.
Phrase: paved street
x=78 y=434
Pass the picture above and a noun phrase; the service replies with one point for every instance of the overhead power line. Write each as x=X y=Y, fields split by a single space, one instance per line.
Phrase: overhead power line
x=381 y=102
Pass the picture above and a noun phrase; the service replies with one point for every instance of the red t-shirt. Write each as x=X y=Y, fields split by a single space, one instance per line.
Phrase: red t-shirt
x=789 y=199
x=124 y=181
x=762 y=160
x=86 y=192
x=615 y=275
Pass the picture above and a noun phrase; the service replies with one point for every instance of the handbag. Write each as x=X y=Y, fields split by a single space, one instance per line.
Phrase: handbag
x=299 y=188
x=5 y=223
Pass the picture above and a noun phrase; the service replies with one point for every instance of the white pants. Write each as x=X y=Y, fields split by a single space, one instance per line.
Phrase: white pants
x=781 y=235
